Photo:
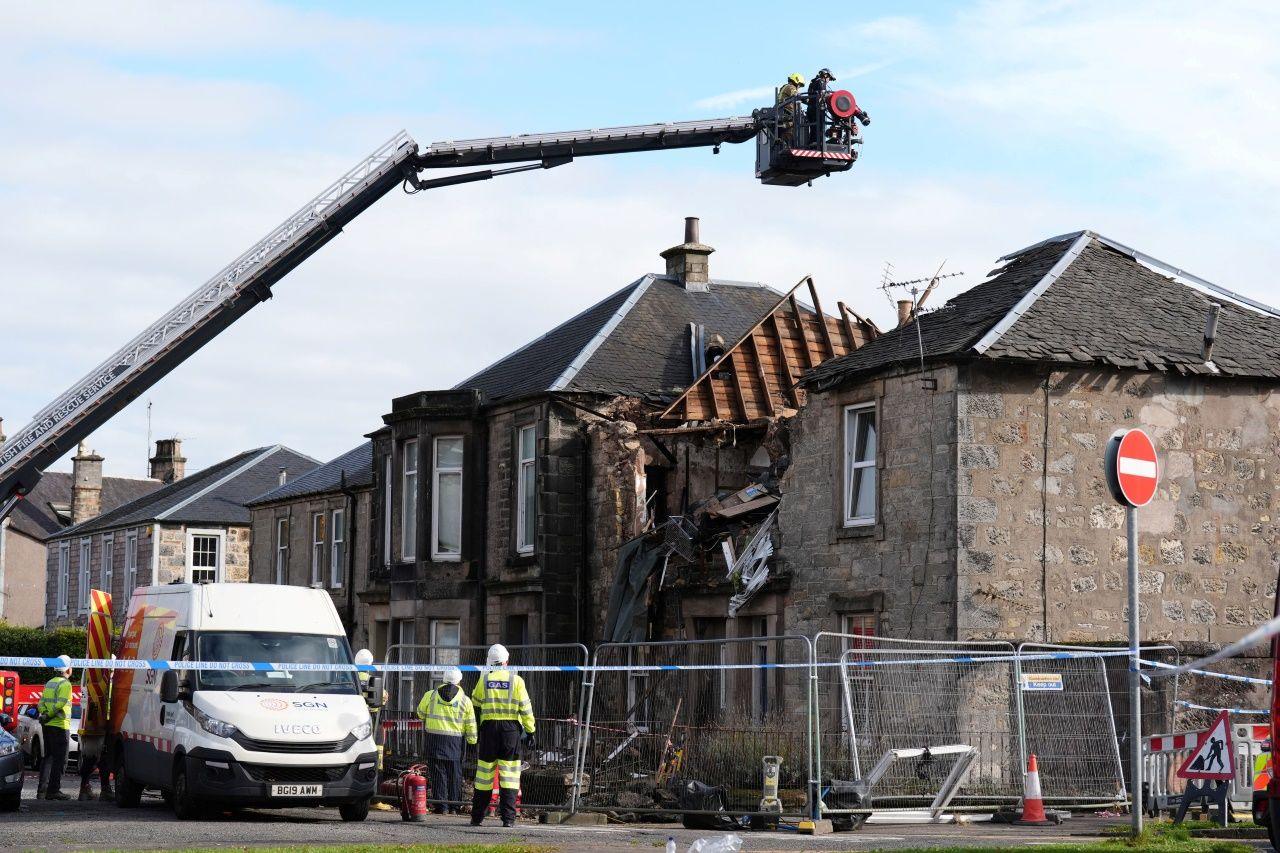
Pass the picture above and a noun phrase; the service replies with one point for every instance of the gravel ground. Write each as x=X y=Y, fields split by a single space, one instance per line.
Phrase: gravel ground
x=42 y=825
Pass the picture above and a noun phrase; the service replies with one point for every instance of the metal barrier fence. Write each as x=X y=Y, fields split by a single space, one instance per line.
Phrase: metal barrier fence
x=891 y=695
x=1163 y=754
x=649 y=732
x=549 y=777
x=1068 y=721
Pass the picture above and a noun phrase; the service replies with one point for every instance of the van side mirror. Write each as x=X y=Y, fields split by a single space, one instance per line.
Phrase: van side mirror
x=6 y=721
x=174 y=687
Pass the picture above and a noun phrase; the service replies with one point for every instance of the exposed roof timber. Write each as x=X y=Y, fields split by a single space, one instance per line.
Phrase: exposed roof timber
x=711 y=368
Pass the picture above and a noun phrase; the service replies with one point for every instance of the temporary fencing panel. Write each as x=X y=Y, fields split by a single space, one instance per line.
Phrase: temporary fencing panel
x=548 y=775
x=1163 y=754
x=1068 y=722
x=883 y=695
x=712 y=717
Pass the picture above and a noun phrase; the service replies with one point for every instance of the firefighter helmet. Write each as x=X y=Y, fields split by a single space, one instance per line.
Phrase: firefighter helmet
x=796 y=79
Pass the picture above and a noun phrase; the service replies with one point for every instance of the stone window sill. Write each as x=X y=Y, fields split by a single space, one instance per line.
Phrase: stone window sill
x=861 y=531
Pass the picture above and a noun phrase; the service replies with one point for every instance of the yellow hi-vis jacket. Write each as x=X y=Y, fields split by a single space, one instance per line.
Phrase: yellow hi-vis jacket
x=55 y=703
x=443 y=717
x=501 y=695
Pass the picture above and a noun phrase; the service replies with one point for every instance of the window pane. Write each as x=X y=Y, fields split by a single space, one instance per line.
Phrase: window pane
x=528 y=436
x=862 y=498
x=529 y=505
x=449 y=514
x=866 y=446
x=448 y=452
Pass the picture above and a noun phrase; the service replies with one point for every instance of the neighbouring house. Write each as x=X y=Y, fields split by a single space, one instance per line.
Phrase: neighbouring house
x=503 y=506
x=58 y=501
x=193 y=529
x=964 y=498
x=314 y=531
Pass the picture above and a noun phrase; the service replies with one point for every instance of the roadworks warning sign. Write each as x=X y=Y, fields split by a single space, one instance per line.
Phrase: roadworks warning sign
x=1214 y=756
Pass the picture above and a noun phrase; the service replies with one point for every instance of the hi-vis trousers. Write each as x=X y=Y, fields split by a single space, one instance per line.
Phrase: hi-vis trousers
x=498 y=752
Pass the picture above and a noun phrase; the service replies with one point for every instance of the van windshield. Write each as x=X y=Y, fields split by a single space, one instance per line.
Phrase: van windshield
x=267 y=647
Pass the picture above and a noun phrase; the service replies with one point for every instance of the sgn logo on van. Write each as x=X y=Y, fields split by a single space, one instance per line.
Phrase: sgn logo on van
x=309 y=703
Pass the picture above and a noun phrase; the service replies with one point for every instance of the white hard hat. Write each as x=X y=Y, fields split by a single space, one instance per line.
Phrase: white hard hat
x=364 y=657
x=498 y=654
x=65 y=669
x=453 y=675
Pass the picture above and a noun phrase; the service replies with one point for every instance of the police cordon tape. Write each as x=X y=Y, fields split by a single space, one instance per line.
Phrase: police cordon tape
x=1227 y=676
x=1263 y=632
x=1182 y=703
x=259 y=666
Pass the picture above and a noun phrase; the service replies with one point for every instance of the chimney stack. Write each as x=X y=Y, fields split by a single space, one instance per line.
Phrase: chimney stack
x=168 y=465
x=904 y=311
x=86 y=485
x=687 y=262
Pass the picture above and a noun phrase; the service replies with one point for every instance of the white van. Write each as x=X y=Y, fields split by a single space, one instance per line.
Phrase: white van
x=241 y=737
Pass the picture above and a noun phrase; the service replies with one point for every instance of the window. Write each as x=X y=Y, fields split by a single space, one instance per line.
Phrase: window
x=405 y=701
x=446 y=501
x=859 y=465
x=82 y=593
x=130 y=564
x=409 y=501
x=64 y=575
x=204 y=556
x=526 y=491
x=860 y=624
x=282 y=550
x=515 y=631
x=858 y=687
x=108 y=559
x=337 y=547
x=317 y=548
x=386 y=513
x=446 y=637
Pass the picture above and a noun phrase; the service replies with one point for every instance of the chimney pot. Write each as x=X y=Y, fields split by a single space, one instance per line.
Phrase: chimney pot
x=904 y=311
x=687 y=262
x=168 y=465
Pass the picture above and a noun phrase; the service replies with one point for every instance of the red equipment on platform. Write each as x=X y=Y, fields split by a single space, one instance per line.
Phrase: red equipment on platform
x=842 y=104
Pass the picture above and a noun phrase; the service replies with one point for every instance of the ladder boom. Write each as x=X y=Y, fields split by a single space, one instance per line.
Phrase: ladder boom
x=583 y=143
x=196 y=320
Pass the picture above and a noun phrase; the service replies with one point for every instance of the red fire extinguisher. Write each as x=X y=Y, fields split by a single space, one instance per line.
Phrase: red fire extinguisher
x=413 y=795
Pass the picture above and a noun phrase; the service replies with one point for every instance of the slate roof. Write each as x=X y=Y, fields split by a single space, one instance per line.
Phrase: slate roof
x=34 y=517
x=217 y=495
x=635 y=341
x=356 y=464
x=952 y=329
x=1079 y=299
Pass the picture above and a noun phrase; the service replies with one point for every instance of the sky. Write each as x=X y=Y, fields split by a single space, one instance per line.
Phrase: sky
x=143 y=145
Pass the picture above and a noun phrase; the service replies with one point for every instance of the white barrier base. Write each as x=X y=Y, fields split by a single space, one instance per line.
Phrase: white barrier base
x=923 y=816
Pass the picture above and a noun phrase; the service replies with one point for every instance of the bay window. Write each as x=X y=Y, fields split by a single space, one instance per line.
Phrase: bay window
x=526 y=490
x=446 y=499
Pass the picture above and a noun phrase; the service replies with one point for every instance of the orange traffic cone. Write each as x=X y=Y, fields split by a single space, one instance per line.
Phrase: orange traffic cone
x=1032 y=801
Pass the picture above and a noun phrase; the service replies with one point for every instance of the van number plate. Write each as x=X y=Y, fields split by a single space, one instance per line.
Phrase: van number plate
x=297 y=790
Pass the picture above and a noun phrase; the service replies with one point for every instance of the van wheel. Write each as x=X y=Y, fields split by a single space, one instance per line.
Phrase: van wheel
x=184 y=805
x=11 y=802
x=128 y=792
x=355 y=812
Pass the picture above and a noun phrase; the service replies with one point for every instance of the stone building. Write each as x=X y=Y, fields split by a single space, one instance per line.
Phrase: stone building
x=314 y=531
x=194 y=529
x=58 y=501
x=956 y=491
x=501 y=507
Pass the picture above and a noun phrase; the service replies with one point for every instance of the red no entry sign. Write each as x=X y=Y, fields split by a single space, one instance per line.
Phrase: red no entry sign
x=1132 y=469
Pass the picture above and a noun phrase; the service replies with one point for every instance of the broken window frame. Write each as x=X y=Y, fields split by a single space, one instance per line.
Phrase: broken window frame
x=853 y=416
x=526 y=490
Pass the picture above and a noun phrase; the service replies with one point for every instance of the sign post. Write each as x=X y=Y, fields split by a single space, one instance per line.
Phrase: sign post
x=1132 y=474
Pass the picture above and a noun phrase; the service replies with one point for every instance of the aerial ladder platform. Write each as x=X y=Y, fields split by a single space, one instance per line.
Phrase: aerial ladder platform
x=789 y=151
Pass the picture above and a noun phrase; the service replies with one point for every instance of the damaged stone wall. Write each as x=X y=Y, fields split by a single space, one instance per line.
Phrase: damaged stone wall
x=902 y=568
x=1036 y=514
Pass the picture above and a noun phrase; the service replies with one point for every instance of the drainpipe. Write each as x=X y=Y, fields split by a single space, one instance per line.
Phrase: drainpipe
x=351 y=556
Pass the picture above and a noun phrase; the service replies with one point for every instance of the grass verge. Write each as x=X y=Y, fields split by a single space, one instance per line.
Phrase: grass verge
x=1158 y=838
x=360 y=848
